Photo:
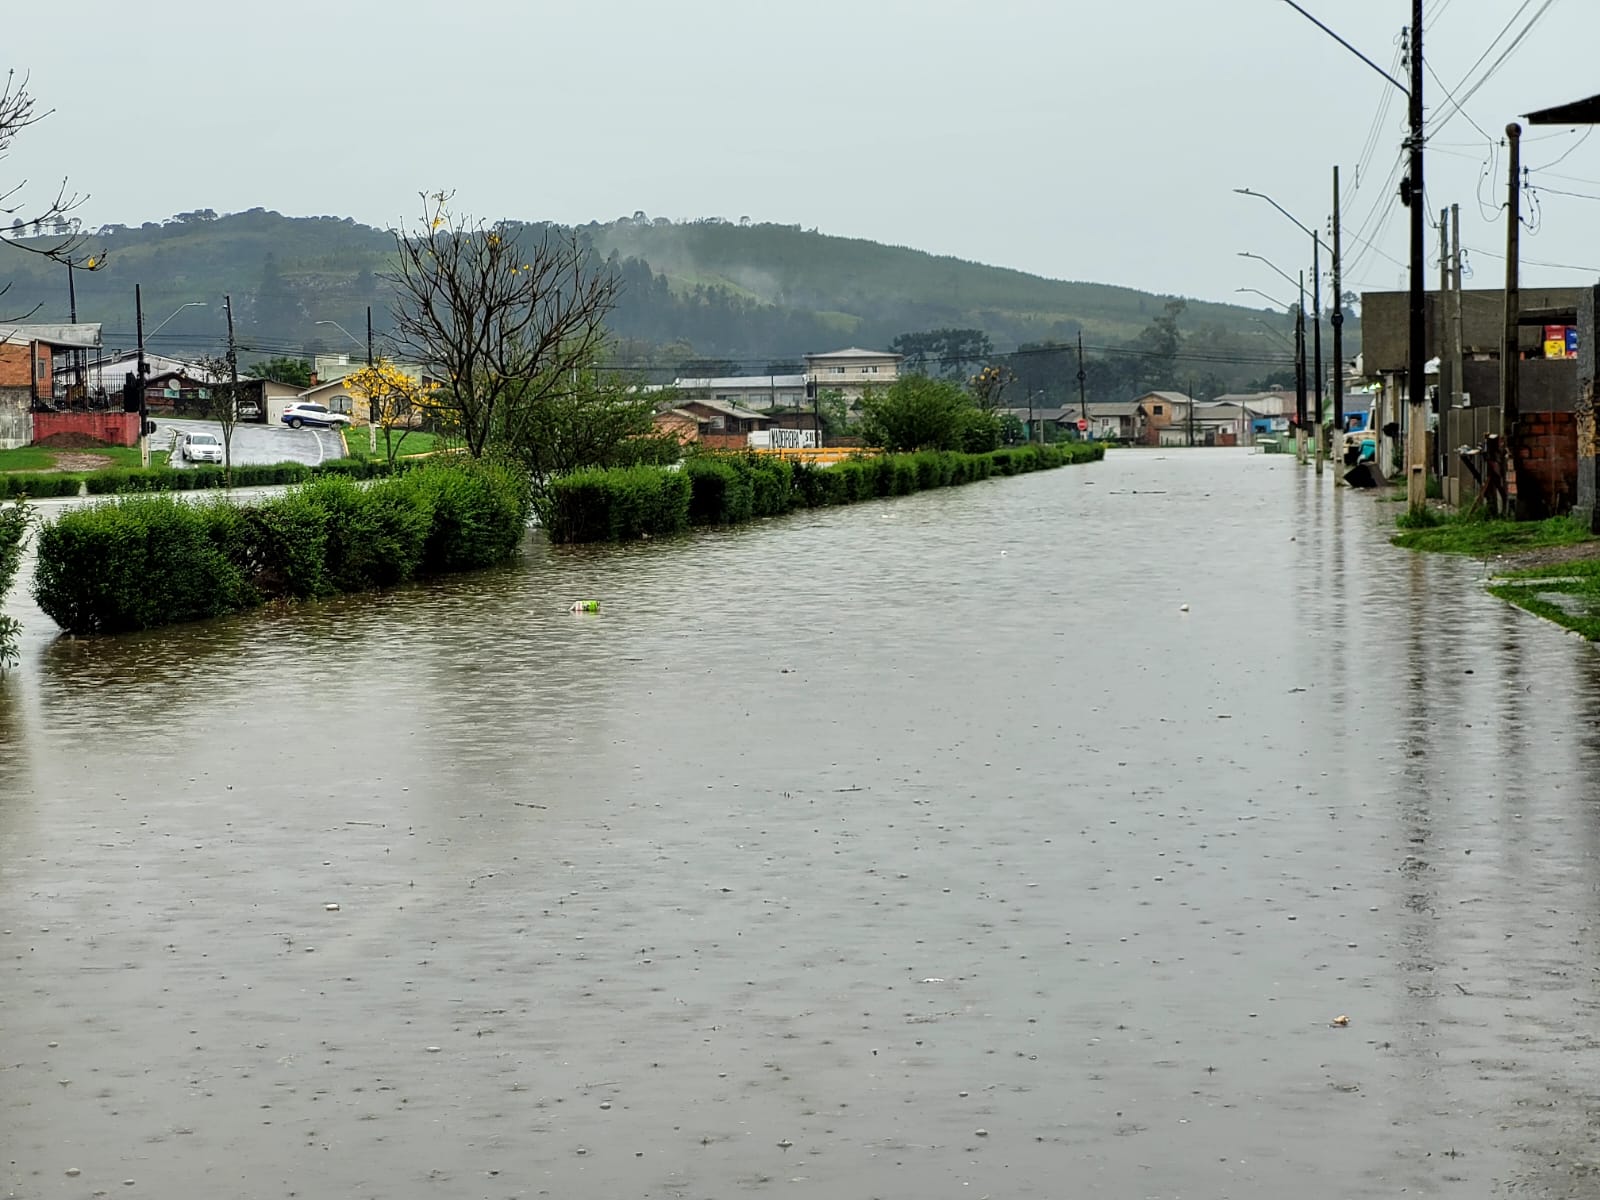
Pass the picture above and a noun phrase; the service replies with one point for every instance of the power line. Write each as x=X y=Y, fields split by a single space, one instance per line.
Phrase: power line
x=1499 y=62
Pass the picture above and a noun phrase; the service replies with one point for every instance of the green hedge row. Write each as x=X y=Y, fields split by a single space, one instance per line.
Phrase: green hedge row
x=144 y=561
x=622 y=504
x=120 y=481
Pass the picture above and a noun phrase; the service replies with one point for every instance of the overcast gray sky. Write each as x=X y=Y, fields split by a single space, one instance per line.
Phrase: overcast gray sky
x=1080 y=139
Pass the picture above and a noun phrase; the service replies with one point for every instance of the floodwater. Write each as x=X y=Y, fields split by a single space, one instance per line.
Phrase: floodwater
x=925 y=848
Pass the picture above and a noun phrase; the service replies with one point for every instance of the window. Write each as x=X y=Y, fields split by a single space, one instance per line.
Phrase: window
x=1156 y=410
x=869 y=370
x=836 y=370
x=341 y=404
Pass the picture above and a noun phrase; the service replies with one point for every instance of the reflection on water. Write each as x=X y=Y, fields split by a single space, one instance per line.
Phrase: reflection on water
x=830 y=842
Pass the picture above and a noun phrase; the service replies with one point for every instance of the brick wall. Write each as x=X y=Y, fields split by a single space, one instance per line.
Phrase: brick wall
x=112 y=428
x=1547 y=463
x=16 y=366
x=725 y=441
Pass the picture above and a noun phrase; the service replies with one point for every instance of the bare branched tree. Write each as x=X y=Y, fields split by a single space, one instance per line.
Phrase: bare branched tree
x=219 y=402
x=43 y=231
x=499 y=314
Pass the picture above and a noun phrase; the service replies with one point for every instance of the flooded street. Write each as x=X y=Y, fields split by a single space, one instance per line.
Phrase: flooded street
x=924 y=848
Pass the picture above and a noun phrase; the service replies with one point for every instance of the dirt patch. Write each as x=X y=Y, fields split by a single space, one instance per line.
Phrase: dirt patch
x=82 y=462
x=1546 y=556
x=71 y=441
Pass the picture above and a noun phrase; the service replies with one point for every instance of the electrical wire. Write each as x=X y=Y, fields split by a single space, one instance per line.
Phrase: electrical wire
x=1498 y=63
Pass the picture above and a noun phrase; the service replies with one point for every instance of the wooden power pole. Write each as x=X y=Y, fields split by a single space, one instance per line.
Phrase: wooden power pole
x=1510 y=352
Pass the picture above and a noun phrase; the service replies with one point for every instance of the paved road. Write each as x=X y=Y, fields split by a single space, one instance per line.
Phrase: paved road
x=257 y=443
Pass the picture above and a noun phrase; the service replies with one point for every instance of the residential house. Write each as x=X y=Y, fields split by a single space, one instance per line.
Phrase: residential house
x=1164 y=418
x=1034 y=420
x=685 y=426
x=338 y=394
x=30 y=388
x=723 y=424
x=1117 y=422
x=852 y=371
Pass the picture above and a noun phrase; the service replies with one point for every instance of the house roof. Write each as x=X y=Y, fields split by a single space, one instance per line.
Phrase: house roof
x=1039 y=413
x=1121 y=408
x=856 y=352
x=727 y=408
x=1170 y=397
x=85 y=336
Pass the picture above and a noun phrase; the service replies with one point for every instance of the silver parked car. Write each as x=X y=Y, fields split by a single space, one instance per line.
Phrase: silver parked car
x=200 y=447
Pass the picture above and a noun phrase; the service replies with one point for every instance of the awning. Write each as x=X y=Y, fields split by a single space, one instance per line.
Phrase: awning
x=1579 y=112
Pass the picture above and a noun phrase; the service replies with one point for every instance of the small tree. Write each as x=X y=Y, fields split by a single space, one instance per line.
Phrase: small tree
x=989 y=384
x=589 y=418
x=917 y=412
x=219 y=402
x=501 y=315
x=396 y=403
x=15 y=521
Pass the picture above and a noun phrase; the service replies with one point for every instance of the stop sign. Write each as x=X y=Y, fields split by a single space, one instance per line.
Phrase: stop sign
x=1083 y=426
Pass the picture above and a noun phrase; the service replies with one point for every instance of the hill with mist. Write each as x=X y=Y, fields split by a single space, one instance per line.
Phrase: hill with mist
x=743 y=296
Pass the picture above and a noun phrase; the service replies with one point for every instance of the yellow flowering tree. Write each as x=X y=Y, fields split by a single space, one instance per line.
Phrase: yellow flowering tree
x=396 y=403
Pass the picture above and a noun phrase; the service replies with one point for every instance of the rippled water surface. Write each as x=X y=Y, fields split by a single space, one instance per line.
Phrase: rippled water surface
x=926 y=848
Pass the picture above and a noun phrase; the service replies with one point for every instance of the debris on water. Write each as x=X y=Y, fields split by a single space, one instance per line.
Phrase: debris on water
x=785 y=1144
x=933 y=979
x=433 y=1049
x=1340 y=1022
x=980 y=1133
x=74 y=1172
x=330 y=908
x=1183 y=608
x=585 y=606
x=582 y=1151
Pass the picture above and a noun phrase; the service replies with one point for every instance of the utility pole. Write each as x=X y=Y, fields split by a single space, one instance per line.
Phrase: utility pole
x=1300 y=374
x=1447 y=385
x=233 y=393
x=1338 y=328
x=1316 y=334
x=1458 y=341
x=140 y=368
x=1510 y=351
x=1191 y=411
x=1083 y=396
x=372 y=399
x=1412 y=196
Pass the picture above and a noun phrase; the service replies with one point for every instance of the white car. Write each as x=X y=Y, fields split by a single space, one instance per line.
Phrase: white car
x=315 y=415
x=200 y=447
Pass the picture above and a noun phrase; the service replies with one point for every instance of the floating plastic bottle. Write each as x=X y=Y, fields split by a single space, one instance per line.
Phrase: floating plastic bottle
x=585 y=606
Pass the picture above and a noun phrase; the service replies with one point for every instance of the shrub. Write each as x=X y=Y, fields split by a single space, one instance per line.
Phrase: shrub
x=143 y=561
x=14 y=522
x=40 y=486
x=617 y=504
x=136 y=563
x=719 y=492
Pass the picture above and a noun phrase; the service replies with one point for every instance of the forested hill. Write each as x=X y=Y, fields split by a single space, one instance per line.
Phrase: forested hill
x=739 y=294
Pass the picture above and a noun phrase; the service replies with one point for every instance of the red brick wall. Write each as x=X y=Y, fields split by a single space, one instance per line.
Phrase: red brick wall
x=1547 y=463
x=112 y=428
x=16 y=366
x=725 y=441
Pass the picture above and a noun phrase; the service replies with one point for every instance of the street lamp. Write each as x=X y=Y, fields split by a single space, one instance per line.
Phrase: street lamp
x=1276 y=302
x=1285 y=275
x=342 y=330
x=1316 y=312
x=176 y=311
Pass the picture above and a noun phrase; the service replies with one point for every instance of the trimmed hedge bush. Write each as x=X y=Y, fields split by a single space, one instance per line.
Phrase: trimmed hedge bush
x=139 y=562
x=15 y=519
x=625 y=503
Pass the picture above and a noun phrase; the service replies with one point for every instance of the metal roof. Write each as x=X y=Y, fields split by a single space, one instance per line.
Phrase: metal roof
x=84 y=336
x=1578 y=112
x=856 y=352
x=740 y=383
